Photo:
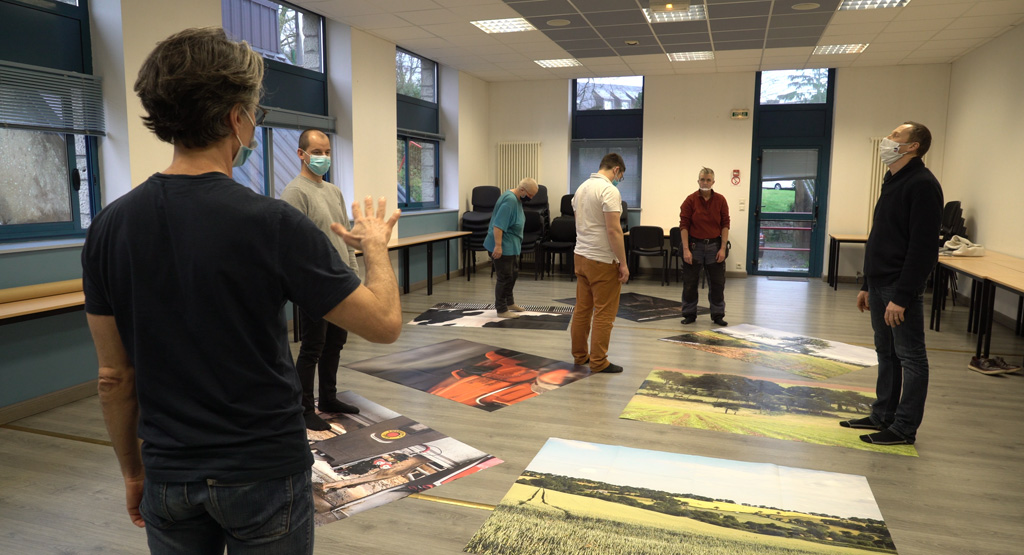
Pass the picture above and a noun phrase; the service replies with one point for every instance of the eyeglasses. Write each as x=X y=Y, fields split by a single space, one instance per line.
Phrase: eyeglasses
x=260 y=115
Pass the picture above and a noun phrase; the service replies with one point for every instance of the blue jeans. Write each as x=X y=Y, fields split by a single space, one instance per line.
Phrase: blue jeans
x=902 y=365
x=269 y=517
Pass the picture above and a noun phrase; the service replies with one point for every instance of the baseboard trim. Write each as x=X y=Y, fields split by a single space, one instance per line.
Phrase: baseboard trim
x=43 y=403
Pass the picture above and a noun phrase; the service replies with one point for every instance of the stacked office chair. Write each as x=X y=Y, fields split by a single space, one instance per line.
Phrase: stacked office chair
x=561 y=240
x=533 y=233
x=648 y=240
x=675 y=245
x=477 y=221
x=566 y=206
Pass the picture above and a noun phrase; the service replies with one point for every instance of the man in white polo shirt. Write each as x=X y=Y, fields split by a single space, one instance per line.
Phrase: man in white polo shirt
x=600 y=264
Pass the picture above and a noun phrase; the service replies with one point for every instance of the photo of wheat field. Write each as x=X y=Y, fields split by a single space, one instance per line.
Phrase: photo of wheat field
x=578 y=497
x=810 y=357
x=782 y=409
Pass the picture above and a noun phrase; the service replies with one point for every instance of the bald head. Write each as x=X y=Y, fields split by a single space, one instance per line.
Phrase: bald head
x=309 y=135
x=528 y=187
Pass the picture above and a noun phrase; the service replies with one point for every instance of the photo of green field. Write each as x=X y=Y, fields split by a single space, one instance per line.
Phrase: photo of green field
x=810 y=357
x=617 y=500
x=780 y=409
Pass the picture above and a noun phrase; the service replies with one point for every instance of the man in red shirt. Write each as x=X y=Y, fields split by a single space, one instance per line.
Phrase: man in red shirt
x=704 y=226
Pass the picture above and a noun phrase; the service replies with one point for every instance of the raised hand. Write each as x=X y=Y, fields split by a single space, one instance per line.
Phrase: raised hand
x=368 y=229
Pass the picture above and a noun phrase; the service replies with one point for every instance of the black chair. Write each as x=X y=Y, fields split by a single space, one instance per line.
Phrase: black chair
x=624 y=217
x=539 y=204
x=484 y=198
x=566 y=206
x=561 y=240
x=648 y=240
x=675 y=244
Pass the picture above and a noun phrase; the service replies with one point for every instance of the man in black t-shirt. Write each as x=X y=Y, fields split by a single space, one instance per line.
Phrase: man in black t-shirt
x=900 y=254
x=185 y=279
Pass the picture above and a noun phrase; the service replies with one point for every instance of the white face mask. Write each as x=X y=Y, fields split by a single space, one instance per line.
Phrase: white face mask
x=888 y=151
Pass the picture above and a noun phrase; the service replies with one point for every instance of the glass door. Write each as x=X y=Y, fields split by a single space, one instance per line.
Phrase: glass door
x=786 y=211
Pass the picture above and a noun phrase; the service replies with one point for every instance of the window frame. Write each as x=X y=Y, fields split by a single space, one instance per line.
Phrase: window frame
x=59 y=61
x=408 y=205
x=419 y=120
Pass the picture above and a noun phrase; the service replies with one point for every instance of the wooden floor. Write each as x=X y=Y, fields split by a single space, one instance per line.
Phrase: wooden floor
x=60 y=490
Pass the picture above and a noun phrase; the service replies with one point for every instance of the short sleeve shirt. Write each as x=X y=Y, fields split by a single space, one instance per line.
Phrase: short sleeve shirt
x=594 y=197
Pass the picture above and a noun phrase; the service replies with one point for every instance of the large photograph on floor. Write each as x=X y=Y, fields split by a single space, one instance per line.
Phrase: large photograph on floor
x=782 y=409
x=810 y=357
x=474 y=374
x=578 y=497
x=378 y=456
x=638 y=307
x=466 y=315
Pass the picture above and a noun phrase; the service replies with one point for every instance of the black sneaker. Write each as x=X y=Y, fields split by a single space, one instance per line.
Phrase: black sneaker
x=315 y=423
x=720 y=320
x=861 y=424
x=885 y=437
x=1005 y=365
x=687 y=320
x=611 y=369
x=987 y=366
x=334 y=405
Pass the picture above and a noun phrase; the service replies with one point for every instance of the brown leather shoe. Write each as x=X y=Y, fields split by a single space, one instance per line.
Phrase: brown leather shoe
x=1005 y=365
x=987 y=366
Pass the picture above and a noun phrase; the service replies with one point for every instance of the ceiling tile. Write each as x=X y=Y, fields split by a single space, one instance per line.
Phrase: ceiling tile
x=739 y=23
x=904 y=37
x=586 y=6
x=793 y=32
x=621 y=17
x=454 y=3
x=520 y=65
x=904 y=47
x=629 y=31
x=915 y=11
x=484 y=11
x=898 y=26
x=744 y=9
x=575 y=20
x=684 y=38
x=406 y=5
x=739 y=45
x=592 y=52
x=975 y=32
x=640 y=49
x=738 y=69
x=753 y=34
x=601 y=71
x=854 y=17
x=343 y=10
x=797 y=41
x=752 y=54
x=691 y=47
x=936 y=52
x=680 y=27
x=960 y=44
x=872 y=55
x=982 y=21
x=851 y=29
x=377 y=21
x=605 y=61
x=571 y=34
x=645 y=59
x=461 y=29
x=800 y=20
x=402 y=33
x=582 y=44
x=420 y=46
x=827 y=65
x=521 y=37
x=543 y=7
x=786 y=6
x=847 y=39
x=428 y=17
x=861 y=61
x=997 y=7
x=797 y=52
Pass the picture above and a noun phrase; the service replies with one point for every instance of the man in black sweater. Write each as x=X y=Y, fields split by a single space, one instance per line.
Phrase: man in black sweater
x=900 y=254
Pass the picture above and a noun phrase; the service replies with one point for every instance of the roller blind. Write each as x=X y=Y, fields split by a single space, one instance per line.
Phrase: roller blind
x=45 y=99
x=290 y=119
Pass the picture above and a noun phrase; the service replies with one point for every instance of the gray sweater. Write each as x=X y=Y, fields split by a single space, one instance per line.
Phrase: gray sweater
x=324 y=204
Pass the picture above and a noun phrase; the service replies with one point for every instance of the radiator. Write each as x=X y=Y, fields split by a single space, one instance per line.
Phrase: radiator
x=516 y=161
x=878 y=170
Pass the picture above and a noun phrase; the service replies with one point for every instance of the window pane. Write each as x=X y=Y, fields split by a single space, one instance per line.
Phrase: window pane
x=34 y=177
x=585 y=159
x=287 y=164
x=403 y=192
x=82 y=163
x=277 y=32
x=422 y=171
x=415 y=76
x=794 y=86
x=784 y=246
x=610 y=93
x=251 y=172
x=789 y=177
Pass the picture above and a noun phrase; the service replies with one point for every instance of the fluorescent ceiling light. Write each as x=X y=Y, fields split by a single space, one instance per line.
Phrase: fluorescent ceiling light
x=564 y=62
x=695 y=13
x=513 y=25
x=690 y=56
x=872 y=4
x=839 y=49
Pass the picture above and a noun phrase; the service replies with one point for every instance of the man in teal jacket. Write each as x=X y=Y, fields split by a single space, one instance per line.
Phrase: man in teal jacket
x=505 y=241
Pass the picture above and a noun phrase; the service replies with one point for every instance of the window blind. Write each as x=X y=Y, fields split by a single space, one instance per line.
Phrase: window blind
x=45 y=99
x=290 y=119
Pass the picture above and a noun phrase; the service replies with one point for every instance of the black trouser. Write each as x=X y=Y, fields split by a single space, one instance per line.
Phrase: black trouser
x=704 y=253
x=507 y=268
x=322 y=343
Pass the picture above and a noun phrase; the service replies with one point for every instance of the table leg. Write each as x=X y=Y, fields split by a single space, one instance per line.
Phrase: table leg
x=835 y=268
x=447 y=261
x=989 y=318
x=405 y=270
x=430 y=269
x=831 y=260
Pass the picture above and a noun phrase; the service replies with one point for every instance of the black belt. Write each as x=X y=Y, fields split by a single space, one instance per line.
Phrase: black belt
x=706 y=241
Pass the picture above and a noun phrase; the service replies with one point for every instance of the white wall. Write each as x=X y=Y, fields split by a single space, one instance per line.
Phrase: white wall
x=871 y=102
x=475 y=150
x=338 y=59
x=687 y=126
x=374 y=118
x=108 y=63
x=985 y=142
x=450 y=116
x=533 y=111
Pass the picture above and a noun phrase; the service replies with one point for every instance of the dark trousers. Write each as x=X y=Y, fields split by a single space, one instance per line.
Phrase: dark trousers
x=704 y=254
x=507 y=269
x=322 y=343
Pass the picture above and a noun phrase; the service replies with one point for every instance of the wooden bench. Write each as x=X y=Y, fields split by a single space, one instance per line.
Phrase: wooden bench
x=18 y=304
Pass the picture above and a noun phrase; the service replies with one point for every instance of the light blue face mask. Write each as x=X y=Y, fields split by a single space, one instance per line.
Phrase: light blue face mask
x=616 y=182
x=245 y=151
x=319 y=164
